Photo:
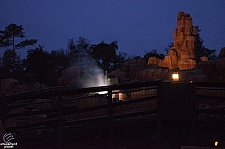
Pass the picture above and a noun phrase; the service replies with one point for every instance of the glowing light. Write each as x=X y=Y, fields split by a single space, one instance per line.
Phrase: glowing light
x=175 y=76
x=103 y=92
x=216 y=143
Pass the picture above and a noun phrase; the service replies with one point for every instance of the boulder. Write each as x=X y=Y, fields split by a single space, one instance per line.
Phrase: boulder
x=69 y=75
x=153 y=60
x=220 y=66
x=186 y=64
x=204 y=59
x=8 y=85
x=222 y=53
x=170 y=62
x=213 y=69
x=130 y=68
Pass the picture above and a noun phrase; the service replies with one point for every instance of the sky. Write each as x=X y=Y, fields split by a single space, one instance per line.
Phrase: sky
x=138 y=26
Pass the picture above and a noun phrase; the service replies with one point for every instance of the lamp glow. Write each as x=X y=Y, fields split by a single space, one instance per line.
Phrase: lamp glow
x=175 y=76
x=216 y=143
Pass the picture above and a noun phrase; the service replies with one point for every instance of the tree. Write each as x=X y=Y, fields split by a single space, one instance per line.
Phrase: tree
x=133 y=57
x=11 y=64
x=7 y=40
x=44 y=67
x=119 y=60
x=12 y=31
x=105 y=54
x=153 y=53
x=200 y=50
x=167 y=49
x=79 y=53
x=82 y=44
x=72 y=48
x=58 y=61
x=38 y=65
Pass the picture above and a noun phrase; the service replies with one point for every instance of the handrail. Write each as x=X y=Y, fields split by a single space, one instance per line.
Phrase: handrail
x=71 y=94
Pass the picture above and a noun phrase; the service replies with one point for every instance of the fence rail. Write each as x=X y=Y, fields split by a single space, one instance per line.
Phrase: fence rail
x=61 y=109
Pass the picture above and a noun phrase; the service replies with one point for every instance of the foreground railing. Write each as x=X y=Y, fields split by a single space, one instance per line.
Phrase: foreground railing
x=61 y=110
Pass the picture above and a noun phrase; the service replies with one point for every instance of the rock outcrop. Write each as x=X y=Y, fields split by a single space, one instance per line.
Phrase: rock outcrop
x=222 y=53
x=183 y=53
x=144 y=72
x=213 y=69
x=11 y=85
x=184 y=35
x=166 y=75
x=70 y=76
x=129 y=69
x=8 y=85
x=204 y=59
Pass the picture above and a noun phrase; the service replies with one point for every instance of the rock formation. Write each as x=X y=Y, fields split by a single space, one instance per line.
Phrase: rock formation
x=204 y=59
x=11 y=85
x=142 y=72
x=184 y=35
x=129 y=69
x=166 y=75
x=214 y=69
x=222 y=53
x=70 y=76
x=7 y=85
x=183 y=53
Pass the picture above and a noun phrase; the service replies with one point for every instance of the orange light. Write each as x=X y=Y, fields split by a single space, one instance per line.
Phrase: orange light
x=216 y=143
x=175 y=76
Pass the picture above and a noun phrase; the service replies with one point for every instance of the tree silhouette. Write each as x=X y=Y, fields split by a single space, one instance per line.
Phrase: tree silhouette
x=11 y=64
x=44 y=67
x=105 y=54
x=200 y=50
x=7 y=40
x=38 y=65
x=153 y=53
x=119 y=60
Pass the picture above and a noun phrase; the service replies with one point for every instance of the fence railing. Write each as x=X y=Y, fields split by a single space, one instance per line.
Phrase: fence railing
x=66 y=109
x=210 y=101
x=60 y=110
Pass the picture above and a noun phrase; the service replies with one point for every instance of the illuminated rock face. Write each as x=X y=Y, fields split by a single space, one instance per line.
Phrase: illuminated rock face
x=204 y=59
x=183 y=53
x=184 y=35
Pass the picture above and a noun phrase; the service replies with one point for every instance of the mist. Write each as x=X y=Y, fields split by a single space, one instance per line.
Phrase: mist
x=91 y=75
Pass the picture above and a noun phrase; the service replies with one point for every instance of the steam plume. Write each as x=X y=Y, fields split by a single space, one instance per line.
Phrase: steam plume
x=91 y=75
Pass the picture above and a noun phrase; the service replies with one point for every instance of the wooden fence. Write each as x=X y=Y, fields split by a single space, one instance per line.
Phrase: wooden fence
x=60 y=110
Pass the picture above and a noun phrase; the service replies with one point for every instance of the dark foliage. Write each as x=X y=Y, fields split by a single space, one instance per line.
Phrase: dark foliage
x=200 y=50
x=45 y=67
x=153 y=53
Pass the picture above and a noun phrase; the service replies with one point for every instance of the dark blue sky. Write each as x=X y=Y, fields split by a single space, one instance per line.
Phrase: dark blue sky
x=137 y=25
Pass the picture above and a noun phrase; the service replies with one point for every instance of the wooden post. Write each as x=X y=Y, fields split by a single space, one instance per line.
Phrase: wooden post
x=176 y=110
x=60 y=122
x=110 y=118
x=193 y=124
x=159 y=113
x=3 y=109
x=3 y=116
